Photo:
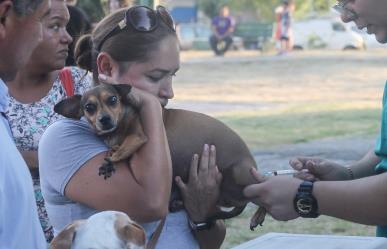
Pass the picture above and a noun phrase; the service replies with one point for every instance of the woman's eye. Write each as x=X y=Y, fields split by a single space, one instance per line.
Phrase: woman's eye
x=112 y=100
x=55 y=27
x=155 y=79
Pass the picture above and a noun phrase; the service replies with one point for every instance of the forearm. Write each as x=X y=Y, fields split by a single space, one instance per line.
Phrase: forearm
x=31 y=159
x=365 y=166
x=151 y=165
x=362 y=201
x=212 y=238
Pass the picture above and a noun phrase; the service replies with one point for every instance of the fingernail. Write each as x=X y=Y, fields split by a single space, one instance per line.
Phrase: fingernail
x=102 y=77
x=212 y=147
x=206 y=147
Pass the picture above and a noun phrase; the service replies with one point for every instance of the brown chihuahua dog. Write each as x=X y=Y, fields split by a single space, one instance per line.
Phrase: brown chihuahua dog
x=110 y=111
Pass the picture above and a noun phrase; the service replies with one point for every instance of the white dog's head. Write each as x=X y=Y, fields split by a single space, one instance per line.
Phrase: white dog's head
x=108 y=229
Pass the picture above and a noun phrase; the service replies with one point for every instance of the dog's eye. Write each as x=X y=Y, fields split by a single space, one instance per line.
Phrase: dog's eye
x=112 y=100
x=90 y=108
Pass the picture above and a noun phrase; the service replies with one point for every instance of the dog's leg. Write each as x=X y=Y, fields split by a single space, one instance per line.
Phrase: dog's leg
x=258 y=218
x=131 y=144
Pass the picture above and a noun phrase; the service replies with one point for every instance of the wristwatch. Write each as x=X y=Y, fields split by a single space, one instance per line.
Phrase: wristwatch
x=200 y=226
x=304 y=202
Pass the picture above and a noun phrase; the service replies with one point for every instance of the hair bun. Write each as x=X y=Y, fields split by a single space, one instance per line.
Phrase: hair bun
x=83 y=53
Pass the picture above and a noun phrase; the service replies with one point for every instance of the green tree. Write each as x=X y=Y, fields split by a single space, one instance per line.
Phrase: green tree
x=93 y=9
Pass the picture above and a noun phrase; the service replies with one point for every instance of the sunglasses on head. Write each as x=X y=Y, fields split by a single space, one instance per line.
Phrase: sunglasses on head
x=340 y=7
x=142 y=19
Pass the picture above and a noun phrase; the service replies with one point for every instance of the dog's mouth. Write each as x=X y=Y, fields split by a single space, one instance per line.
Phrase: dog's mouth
x=105 y=129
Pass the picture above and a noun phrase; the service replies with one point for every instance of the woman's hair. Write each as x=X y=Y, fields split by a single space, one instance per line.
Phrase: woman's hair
x=128 y=45
x=79 y=24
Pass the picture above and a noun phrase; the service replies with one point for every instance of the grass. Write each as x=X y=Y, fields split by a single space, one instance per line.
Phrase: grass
x=238 y=228
x=296 y=125
x=289 y=100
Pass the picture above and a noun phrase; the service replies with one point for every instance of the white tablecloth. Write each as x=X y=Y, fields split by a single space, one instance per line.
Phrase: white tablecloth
x=304 y=241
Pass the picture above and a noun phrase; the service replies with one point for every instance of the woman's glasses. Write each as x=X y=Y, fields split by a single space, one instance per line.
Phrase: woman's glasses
x=340 y=7
x=142 y=19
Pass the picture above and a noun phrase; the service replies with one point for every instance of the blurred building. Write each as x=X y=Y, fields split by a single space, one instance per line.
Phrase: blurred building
x=183 y=11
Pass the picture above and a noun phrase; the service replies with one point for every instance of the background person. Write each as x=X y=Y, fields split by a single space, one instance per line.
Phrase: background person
x=35 y=90
x=284 y=32
x=222 y=27
x=20 y=33
x=71 y=185
x=356 y=193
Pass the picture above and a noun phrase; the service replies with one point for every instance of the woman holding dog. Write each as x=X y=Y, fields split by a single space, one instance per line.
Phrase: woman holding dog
x=356 y=192
x=138 y=46
x=36 y=89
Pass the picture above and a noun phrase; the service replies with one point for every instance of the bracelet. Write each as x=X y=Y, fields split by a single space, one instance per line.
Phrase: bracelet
x=200 y=226
x=351 y=175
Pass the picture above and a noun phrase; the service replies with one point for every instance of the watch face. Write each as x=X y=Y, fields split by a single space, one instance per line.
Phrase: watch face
x=304 y=205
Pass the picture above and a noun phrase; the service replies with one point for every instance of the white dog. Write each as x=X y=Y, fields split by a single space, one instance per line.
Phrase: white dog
x=108 y=229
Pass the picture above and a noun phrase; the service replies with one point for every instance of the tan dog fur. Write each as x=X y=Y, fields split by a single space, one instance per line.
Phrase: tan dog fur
x=187 y=132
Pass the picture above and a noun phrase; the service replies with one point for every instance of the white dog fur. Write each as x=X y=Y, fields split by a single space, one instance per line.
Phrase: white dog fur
x=108 y=229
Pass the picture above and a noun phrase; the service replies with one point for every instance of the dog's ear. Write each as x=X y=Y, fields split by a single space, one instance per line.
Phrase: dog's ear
x=70 y=107
x=129 y=231
x=123 y=90
x=65 y=238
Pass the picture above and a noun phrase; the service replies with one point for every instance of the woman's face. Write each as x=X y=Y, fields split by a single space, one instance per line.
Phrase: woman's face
x=52 y=51
x=155 y=75
x=372 y=15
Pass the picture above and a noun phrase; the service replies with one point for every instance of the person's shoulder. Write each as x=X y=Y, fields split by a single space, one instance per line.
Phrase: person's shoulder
x=65 y=127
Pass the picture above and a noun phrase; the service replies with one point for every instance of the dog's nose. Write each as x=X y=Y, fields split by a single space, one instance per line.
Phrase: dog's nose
x=105 y=120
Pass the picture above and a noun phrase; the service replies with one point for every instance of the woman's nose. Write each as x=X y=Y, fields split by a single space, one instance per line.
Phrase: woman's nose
x=66 y=37
x=166 y=90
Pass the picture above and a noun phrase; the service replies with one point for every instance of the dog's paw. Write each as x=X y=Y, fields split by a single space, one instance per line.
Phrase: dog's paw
x=106 y=169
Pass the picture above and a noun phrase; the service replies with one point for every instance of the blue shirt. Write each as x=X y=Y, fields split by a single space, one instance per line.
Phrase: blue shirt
x=19 y=222
x=381 y=151
x=222 y=24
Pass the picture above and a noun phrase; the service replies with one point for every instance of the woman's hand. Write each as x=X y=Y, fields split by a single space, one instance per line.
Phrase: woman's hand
x=275 y=194
x=137 y=97
x=319 y=169
x=201 y=192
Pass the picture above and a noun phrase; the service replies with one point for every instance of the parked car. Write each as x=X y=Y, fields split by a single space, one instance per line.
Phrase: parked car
x=325 y=33
x=370 y=41
x=196 y=36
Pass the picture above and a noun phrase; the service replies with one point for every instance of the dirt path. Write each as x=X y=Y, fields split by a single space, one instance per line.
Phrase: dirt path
x=342 y=150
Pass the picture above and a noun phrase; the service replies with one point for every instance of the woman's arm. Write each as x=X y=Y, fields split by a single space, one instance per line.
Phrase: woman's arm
x=362 y=200
x=31 y=158
x=365 y=166
x=324 y=170
x=213 y=237
x=144 y=198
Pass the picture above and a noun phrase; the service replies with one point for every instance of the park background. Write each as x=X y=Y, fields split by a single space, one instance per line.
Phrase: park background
x=315 y=101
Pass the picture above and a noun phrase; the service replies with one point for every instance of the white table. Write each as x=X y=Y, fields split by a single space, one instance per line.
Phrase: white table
x=304 y=241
